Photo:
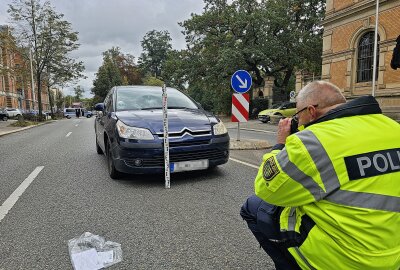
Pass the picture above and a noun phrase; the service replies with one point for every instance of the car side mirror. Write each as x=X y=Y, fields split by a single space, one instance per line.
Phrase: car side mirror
x=100 y=107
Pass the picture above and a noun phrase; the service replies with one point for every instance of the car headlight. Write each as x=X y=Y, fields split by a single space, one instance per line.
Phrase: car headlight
x=135 y=133
x=220 y=129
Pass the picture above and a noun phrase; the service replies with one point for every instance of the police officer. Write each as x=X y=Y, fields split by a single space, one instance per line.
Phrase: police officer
x=328 y=196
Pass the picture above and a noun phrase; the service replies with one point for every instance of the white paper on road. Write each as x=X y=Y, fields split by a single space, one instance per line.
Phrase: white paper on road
x=106 y=257
x=86 y=260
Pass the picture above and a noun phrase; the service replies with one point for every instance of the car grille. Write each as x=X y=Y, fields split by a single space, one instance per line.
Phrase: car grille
x=158 y=161
x=183 y=132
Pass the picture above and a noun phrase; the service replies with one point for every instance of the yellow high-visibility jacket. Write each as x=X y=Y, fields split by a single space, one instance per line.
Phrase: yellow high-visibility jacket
x=339 y=183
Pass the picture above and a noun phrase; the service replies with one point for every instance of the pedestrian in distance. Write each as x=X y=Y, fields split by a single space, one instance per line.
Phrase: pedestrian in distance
x=77 y=113
x=328 y=196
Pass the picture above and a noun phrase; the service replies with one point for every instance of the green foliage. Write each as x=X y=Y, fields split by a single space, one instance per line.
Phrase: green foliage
x=264 y=37
x=156 y=46
x=40 y=27
x=152 y=81
x=257 y=105
x=79 y=92
x=107 y=77
x=117 y=69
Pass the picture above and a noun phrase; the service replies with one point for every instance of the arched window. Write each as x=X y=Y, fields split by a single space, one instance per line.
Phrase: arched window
x=365 y=59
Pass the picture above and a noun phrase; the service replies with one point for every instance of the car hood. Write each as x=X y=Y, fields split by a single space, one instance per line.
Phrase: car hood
x=269 y=111
x=178 y=119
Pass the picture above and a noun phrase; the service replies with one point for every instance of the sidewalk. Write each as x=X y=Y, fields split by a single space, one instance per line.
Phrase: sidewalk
x=251 y=125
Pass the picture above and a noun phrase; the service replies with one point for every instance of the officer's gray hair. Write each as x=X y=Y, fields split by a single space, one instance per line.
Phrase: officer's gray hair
x=323 y=93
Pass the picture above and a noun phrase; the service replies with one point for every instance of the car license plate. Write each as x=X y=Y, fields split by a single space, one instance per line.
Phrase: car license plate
x=189 y=165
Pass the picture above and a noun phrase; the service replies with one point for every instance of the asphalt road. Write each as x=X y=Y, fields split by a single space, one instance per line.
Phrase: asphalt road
x=194 y=225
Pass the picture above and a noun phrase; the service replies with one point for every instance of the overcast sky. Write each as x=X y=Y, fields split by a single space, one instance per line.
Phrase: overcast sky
x=103 y=24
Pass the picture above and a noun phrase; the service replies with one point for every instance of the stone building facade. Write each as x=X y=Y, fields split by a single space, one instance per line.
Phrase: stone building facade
x=348 y=41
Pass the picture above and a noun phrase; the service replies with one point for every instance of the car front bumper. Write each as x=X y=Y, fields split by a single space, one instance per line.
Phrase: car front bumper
x=134 y=158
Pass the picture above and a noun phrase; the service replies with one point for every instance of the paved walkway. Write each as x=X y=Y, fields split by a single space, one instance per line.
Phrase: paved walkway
x=243 y=144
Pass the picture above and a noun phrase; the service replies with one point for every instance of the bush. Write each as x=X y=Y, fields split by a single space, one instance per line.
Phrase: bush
x=33 y=117
x=257 y=105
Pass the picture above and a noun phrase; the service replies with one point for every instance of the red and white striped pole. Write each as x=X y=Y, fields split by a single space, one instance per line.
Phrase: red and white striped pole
x=240 y=110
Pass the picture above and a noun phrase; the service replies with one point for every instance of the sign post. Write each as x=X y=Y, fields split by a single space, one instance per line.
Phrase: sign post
x=166 y=140
x=241 y=82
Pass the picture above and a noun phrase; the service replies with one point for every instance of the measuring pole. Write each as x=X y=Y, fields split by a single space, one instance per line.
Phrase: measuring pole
x=166 y=140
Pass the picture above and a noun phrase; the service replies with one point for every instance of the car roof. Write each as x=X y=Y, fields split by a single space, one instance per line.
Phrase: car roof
x=147 y=87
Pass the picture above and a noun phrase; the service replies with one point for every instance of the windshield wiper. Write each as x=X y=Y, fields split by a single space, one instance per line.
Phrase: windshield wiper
x=177 y=107
x=152 y=108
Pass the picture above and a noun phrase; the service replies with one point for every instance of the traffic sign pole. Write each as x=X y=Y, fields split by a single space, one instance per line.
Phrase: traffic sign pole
x=241 y=82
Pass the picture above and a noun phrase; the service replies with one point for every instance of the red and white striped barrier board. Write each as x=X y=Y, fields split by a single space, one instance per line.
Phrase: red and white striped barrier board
x=240 y=107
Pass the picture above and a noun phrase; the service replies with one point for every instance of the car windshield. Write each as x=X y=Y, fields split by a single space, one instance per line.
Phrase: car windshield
x=146 y=99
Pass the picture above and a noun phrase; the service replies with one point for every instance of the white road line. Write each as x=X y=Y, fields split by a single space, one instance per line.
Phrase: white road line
x=69 y=133
x=77 y=125
x=245 y=163
x=9 y=203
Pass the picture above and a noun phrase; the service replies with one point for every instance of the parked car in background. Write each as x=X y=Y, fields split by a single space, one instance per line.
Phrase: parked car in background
x=88 y=114
x=3 y=115
x=129 y=130
x=71 y=112
x=13 y=112
x=286 y=109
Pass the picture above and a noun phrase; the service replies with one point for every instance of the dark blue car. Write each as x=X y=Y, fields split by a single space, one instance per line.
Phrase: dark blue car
x=129 y=130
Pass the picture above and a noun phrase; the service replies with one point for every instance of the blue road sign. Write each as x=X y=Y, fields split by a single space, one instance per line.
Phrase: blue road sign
x=241 y=81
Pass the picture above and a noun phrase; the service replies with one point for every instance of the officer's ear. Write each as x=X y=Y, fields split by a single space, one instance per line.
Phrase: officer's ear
x=313 y=112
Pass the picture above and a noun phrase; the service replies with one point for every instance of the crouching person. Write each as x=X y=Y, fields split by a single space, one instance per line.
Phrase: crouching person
x=328 y=196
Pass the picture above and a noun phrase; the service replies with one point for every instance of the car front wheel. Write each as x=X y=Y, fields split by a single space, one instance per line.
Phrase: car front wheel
x=5 y=118
x=112 y=171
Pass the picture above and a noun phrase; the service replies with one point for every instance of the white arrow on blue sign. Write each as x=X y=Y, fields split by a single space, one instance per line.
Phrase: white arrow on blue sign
x=241 y=81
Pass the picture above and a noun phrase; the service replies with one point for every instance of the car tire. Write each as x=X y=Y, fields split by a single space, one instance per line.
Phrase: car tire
x=112 y=171
x=5 y=118
x=68 y=117
x=98 y=149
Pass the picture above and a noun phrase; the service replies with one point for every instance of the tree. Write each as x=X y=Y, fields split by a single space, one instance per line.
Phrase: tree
x=79 y=92
x=68 y=101
x=107 y=76
x=59 y=99
x=128 y=69
x=152 y=81
x=155 y=45
x=40 y=29
x=265 y=37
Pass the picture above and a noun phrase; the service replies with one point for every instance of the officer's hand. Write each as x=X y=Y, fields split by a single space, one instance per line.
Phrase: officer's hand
x=283 y=130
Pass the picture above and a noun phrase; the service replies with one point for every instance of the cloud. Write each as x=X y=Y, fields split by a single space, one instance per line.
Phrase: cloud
x=103 y=24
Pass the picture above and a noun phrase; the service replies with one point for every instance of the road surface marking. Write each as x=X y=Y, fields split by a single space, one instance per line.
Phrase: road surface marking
x=9 y=203
x=244 y=163
x=77 y=125
x=69 y=133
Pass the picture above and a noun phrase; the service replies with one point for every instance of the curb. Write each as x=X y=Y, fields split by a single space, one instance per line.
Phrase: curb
x=248 y=145
x=3 y=133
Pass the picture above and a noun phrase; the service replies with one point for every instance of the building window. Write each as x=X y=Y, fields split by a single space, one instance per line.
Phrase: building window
x=365 y=60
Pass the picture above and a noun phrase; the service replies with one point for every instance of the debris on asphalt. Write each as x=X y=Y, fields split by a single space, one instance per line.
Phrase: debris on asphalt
x=92 y=252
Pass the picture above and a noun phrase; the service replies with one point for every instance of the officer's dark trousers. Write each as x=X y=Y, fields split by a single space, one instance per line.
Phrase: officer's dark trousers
x=263 y=221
